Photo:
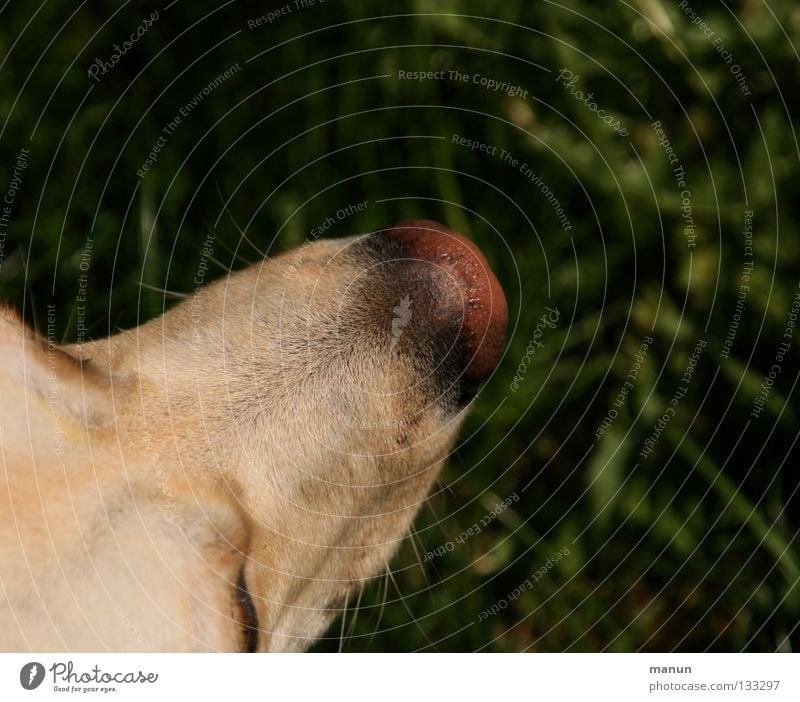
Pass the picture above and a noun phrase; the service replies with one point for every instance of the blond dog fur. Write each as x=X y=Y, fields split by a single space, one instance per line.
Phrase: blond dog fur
x=264 y=428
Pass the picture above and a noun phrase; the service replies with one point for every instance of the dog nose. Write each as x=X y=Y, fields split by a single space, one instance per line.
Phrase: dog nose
x=469 y=298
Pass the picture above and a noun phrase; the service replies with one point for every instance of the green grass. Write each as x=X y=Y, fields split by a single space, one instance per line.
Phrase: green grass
x=692 y=548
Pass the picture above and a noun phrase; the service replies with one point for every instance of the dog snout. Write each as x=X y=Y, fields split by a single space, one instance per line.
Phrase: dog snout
x=458 y=300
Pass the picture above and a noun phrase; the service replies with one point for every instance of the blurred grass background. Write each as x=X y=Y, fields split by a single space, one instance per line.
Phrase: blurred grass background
x=692 y=548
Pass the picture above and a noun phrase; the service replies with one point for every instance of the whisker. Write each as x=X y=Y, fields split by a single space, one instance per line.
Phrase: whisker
x=351 y=630
x=384 y=597
x=225 y=268
x=235 y=224
x=209 y=256
x=236 y=255
x=411 y=536
x=344 y=620
x=67 y=329
x=410 y=614
x=439 y=522
x=164 y=291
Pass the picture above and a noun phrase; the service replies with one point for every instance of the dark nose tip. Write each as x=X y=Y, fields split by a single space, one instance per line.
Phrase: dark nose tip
x=470 y=296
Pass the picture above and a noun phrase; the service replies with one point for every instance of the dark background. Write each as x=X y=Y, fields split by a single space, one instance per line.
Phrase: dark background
x=692 y=548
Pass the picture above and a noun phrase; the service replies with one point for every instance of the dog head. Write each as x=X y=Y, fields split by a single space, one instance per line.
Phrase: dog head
x=319 y=392
x=355 y=360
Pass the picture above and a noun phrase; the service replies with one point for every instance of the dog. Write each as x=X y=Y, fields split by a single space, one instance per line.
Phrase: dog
x=223 y=477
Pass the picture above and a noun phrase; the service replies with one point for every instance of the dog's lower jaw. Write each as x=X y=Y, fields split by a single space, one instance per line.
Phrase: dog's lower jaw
x=298 y=601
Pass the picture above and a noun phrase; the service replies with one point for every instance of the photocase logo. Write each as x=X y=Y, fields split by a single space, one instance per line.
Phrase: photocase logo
x=402 y=316
x=31 y=675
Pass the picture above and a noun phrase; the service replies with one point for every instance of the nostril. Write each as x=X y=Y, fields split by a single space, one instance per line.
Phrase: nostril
x=469 y=293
